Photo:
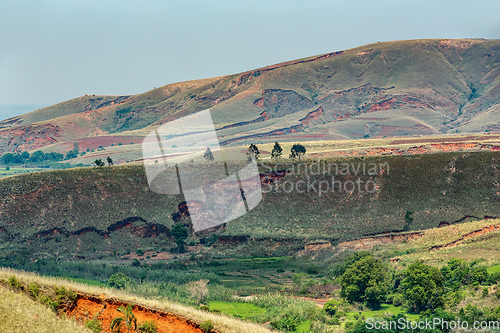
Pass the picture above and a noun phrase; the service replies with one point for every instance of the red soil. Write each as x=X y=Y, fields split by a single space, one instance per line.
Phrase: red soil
x=89 y=306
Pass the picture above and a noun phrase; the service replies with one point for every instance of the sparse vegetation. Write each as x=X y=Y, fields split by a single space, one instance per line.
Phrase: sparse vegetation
x=277 y=151
x=208 y=155
x=148 y=327
x=128 y=320
x=207 y=326
x=253 y=152
x=94 y=325
x=297 y=151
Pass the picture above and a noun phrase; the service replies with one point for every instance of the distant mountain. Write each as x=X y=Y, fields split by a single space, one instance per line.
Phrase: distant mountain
x=402 y=88
x=12 y=110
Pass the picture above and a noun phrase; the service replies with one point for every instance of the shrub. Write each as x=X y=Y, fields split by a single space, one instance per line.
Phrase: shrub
x=45 y=300
x=65 y=297
x=118 y=281
x=94 y=325
x=148 y=327
x=331 y=307
x=207 y=326
x=15 y=283
x=286 y=323
x=397 y=300
x=140 y=252
x=485 y=292
x=34 y=290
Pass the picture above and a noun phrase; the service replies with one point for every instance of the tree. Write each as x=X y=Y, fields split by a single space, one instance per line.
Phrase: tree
x=198 y=290
x=7 y=158
x=38 y=156
x=423 y=286
x=53 y=156
x=118 y=280
x=128 y=319
x=366 y=280
x=408 y=220
x=253 y=151
x=180 y=234
x=99 y=163
x=72 y=154
x=25 y=155
x=277 y=150
x=110 y=161
x=208 y=155
x=297 y=151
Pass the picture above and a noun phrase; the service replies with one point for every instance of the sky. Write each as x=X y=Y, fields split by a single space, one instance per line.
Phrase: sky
x=51 y=51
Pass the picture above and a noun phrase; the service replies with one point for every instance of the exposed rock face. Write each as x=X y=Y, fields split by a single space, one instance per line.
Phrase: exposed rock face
x=369 y=242
x=28 y=138
x=279 y=102
x=406 y=88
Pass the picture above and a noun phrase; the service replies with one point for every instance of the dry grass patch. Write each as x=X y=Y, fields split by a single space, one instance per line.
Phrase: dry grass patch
x=222 y=323
x=21 y=314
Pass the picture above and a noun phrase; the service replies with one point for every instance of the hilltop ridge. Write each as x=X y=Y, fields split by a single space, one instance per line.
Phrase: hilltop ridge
x=387 y=89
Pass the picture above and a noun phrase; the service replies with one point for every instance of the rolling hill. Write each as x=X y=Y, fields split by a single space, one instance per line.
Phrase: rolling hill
x=94 y=213
x=389 y=89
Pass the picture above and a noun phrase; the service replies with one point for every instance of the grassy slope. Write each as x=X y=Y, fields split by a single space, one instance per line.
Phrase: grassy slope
x=21 y=314
x=456 y=77
x=437 y=187
x=222 y=323
x=481 y=247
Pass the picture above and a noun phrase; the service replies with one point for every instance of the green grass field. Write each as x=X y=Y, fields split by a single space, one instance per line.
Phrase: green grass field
x=385 y=309
x=240 y=310
x=17 y=171
x=494 y=269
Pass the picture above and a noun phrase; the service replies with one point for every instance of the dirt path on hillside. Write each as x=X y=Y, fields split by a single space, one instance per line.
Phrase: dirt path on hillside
x=472 y=234
x=319 y=301
x=86 y=307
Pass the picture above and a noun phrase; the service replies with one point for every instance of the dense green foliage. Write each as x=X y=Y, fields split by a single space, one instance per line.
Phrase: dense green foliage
x=423 y=287
x=180 y=234
x=365 y=280
x=297 y=151
x=118 y=280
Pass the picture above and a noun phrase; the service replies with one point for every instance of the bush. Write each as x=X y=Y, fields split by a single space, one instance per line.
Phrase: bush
x=65 y=296
x=15 y=283
x=118 y=281
x=397 y=300
x=207 y=326
x=148 y=327
x=45 y=300
x=485 y=292
x=331 y=307
x=94 y=325
x=34 y=290
x=286 y=323
x=140 y=252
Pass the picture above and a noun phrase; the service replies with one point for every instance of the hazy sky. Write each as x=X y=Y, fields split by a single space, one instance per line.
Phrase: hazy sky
x=52 y=51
